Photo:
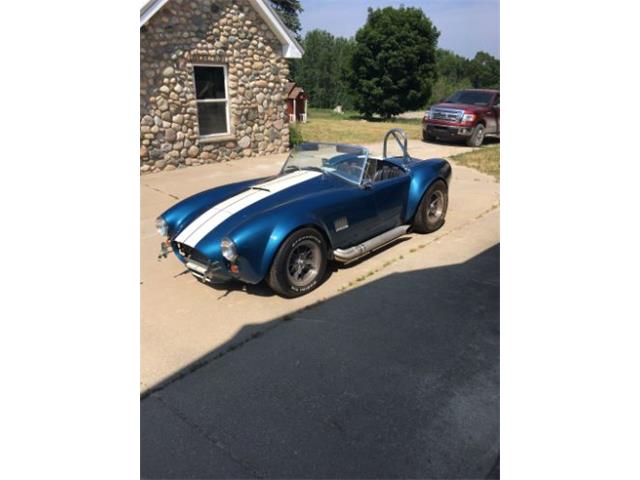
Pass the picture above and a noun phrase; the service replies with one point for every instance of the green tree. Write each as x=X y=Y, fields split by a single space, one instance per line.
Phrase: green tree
x=452 y=66
x=288 y=10
x=484 y=71
x=445 y=87
x=394 y=63
x=456 y=73
x=322 y=71
x=344 y=50
x=453 y=75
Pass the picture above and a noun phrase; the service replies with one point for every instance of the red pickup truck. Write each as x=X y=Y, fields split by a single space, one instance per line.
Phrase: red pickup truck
x=470 y=114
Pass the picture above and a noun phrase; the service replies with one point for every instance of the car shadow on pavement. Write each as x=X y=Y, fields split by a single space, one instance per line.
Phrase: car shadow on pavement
x=398 y=378
x=263 y=290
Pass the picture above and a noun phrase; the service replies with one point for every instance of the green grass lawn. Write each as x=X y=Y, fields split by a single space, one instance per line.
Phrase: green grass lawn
x=485 y=159
x=323 y=125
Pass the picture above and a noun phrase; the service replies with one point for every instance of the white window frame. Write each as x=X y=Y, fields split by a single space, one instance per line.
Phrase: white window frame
x=226 y=98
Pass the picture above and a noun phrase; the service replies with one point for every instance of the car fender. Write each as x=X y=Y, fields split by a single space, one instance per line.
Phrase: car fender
x=423 y=174
x=258 y=240
x=284 y=229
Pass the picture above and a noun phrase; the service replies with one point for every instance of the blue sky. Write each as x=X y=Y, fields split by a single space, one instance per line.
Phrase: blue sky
x=465 y=26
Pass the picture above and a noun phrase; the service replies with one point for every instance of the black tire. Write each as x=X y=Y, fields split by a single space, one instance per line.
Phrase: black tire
x=300 y=264
x=427 y=137
x=432 y=208
x=477 y=136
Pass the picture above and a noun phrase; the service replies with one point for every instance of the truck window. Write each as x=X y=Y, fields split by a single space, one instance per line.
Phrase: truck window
x=471 y=97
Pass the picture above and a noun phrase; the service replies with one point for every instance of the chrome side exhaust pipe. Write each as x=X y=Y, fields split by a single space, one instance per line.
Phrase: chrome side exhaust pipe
x=353 y=253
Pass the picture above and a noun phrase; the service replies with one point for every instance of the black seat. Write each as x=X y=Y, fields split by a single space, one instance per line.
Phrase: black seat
x=387 y=172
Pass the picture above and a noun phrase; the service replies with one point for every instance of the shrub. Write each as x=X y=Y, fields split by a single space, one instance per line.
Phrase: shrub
x=295 y=135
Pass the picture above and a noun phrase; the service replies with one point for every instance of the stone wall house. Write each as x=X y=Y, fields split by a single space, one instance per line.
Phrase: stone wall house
x=213 y=75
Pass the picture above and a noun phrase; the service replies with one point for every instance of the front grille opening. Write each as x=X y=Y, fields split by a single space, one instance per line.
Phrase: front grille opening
x=185 y=250
x=447 y=115
x=191 y=253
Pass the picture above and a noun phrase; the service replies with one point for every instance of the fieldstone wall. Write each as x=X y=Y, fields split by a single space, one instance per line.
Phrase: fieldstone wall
x=228 y=32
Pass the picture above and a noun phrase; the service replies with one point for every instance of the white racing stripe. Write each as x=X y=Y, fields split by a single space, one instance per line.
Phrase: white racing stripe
x=205 y=223
x=210 y=215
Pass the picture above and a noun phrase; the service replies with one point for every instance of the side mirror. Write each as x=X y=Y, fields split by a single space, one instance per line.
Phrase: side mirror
x=367 y=184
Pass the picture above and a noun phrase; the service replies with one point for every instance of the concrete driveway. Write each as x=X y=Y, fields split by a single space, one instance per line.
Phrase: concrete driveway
x=390 y=369
x=182 y=319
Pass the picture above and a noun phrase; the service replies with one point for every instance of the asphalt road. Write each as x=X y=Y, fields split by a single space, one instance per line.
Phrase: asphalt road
x=394 y=373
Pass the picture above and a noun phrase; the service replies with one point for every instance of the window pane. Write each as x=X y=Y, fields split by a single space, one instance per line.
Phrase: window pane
x=212 y=117
x=209 y=82
x=470 y=97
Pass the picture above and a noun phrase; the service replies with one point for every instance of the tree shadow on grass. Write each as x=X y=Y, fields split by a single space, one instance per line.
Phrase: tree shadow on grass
x=398 y=378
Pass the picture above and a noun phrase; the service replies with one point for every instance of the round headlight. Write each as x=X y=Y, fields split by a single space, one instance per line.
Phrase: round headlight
x=162 y=227
x=228 y=249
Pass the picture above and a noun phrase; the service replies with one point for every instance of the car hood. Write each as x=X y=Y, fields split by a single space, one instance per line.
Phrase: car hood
x=251 y=202
x=460 y=106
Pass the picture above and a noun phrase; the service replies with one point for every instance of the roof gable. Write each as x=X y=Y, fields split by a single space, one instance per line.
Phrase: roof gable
x=294 y=91
x=290 y=46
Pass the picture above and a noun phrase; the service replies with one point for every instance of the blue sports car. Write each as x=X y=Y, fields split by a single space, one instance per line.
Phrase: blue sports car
x=329 y=202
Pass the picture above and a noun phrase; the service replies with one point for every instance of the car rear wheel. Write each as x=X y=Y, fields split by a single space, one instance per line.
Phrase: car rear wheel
x=432 y=208
x=300 y=264
x=477 y=136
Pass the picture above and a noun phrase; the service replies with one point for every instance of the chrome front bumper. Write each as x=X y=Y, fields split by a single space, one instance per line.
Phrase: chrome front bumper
x=212 y=272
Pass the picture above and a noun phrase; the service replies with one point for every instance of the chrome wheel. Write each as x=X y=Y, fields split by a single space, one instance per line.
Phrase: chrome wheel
x=479 y=136
x=303 y=263
x=435 y=206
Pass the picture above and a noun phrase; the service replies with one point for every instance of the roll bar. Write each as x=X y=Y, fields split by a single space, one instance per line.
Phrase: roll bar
x=401 y=139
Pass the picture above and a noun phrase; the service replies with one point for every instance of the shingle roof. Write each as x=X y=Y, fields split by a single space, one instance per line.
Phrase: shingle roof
x=295 y=92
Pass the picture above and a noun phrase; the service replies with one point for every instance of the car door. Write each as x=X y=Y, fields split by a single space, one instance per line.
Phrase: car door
x=352 y=217
x=496 y=108
x=492 y=115
x=390 y=198
x=362 y=212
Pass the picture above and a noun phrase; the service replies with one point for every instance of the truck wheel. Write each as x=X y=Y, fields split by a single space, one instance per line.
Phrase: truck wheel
x=432 y=208
x=427 y=137
x=477 y=136
x=300 y=264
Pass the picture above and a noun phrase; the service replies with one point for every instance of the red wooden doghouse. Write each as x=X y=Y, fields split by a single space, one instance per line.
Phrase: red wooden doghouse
x=297 y=101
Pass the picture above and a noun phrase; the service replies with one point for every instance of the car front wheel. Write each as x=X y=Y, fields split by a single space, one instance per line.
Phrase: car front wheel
x=300 y=264
x=432 y=208
x=477 y=136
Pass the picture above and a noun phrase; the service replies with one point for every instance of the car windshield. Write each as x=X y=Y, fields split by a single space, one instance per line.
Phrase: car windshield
x=345 y=161
x=470 y=97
